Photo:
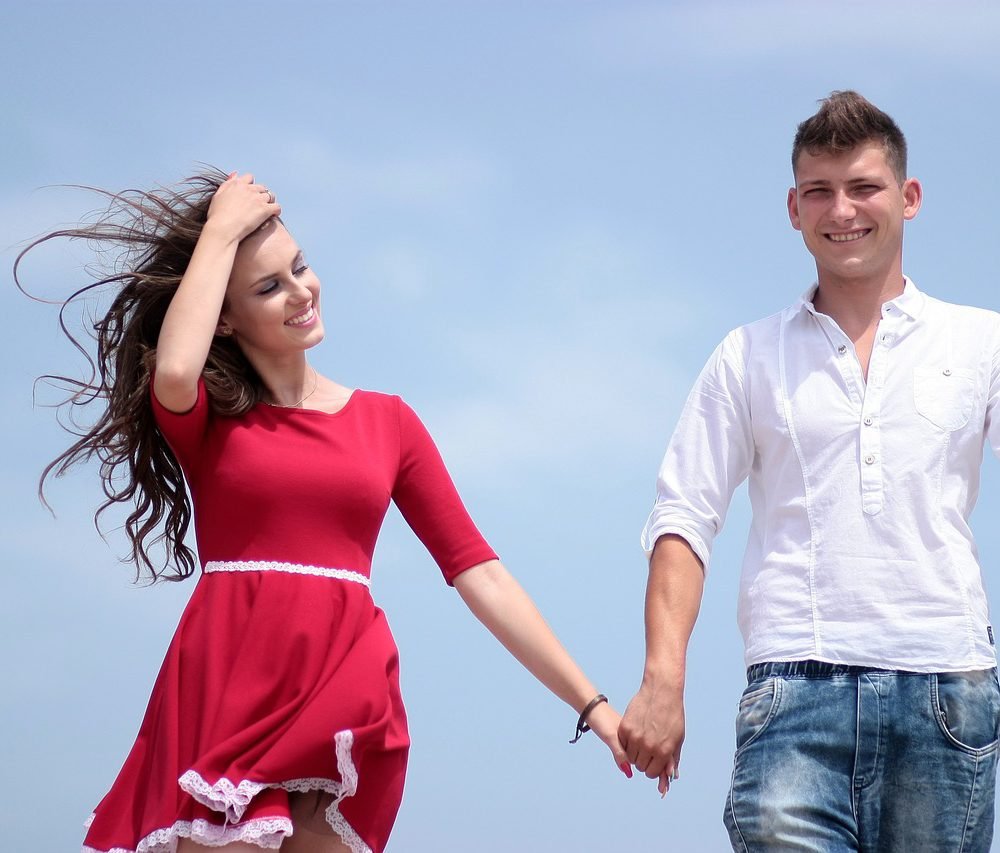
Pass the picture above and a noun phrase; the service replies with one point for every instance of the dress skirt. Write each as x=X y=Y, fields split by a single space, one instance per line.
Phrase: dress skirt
x=280 y=678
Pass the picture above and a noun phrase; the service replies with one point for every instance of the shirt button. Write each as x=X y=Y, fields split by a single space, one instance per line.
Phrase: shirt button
x=869 y=460
x=869 y=421
x=886 y=339
x=946 y=372
x=842 y=349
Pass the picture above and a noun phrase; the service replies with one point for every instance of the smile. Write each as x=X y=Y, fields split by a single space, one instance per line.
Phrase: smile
x=303 y=318
x=849 y=237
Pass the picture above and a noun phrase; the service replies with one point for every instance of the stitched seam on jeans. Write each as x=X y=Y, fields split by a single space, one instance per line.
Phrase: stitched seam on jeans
x=968 y=811
x=732 y=809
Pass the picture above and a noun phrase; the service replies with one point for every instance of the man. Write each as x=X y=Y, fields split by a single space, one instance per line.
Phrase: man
x=859 y=414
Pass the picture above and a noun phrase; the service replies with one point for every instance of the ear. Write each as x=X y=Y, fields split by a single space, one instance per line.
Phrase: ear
x=793 y=209
x=913 y=196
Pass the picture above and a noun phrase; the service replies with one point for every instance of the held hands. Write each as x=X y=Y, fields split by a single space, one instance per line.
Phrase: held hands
x=239 y=207
x=604 y=721
x=652 y=733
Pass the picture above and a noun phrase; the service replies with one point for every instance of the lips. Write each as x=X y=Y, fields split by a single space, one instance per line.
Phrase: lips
x=303 y=318
x=849 y=236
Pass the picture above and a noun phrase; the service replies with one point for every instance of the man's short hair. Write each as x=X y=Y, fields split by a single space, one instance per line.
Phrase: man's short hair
x=846 y=120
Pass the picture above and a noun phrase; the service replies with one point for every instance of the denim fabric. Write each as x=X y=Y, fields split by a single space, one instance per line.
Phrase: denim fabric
x=843 y=758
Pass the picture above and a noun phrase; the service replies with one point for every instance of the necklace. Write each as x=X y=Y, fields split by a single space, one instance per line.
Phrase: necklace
x=302 y=399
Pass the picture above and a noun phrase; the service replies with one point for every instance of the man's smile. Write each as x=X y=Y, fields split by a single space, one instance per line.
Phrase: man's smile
x=849 y=236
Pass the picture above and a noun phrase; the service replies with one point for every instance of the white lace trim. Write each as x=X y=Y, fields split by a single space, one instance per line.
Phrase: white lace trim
x=349 y=774
x=291 y=568
x=267 y=833
x=233 y=800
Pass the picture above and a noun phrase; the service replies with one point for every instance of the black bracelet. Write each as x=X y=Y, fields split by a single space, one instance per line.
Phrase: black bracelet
x=581 y=724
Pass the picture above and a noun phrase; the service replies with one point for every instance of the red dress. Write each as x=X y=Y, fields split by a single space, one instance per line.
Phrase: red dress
x=282 y=675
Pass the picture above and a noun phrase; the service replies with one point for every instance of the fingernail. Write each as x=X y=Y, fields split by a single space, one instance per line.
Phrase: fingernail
x=626 y=769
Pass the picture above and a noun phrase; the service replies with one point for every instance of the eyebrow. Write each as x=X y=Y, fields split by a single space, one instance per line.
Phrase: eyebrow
x=295 y=261
x=823 y=182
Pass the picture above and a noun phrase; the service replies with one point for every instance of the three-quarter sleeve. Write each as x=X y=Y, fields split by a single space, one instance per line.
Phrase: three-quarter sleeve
x=184 y=431
x=709 y=455
x=429 y=501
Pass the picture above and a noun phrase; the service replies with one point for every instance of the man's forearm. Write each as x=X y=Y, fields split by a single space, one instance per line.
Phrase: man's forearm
x=652 y=730
x=673 y=599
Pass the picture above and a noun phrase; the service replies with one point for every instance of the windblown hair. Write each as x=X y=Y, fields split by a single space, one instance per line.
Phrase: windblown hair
x=152 y=234
x=846 y=120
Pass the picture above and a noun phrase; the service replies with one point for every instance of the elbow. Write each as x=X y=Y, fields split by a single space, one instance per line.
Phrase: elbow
x=175 y=388
x=476 y=582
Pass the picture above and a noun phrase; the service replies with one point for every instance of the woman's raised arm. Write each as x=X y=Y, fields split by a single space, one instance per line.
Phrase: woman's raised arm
x=237 y=209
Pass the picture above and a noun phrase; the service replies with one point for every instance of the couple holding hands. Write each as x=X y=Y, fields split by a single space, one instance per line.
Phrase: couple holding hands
x=859 y=415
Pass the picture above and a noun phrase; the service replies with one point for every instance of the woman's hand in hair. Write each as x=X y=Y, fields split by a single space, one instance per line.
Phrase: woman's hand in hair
x=239 y=207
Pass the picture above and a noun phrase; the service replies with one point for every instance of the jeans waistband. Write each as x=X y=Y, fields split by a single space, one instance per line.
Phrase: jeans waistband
x=805 y=669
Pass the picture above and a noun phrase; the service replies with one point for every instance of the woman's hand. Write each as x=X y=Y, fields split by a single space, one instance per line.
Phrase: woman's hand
x=604 y=721
x=239 y=207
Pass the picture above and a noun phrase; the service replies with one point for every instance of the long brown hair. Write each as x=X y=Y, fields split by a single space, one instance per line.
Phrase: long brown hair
x=152 y=234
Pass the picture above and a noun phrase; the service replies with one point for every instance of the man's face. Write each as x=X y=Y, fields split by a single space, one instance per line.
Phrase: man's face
x=850 y=209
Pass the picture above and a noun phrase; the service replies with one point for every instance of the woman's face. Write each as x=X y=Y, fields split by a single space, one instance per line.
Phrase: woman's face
x=272 y=300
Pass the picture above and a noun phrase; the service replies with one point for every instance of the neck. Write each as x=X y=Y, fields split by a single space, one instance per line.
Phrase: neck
x=856 y=304
x=287 y=382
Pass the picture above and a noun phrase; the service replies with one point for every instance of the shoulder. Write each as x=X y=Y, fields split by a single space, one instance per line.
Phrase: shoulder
x=377 y=401
x=977 y=327
x=963 y=313
x=738 y=346
x=384 y=405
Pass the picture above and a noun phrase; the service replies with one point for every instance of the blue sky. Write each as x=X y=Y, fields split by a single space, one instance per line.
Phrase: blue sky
x=534 y=220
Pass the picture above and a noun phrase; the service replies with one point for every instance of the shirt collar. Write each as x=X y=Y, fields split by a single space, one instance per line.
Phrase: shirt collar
x=910 y=302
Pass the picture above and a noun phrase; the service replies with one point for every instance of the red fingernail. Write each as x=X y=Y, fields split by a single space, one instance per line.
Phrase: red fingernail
x=626 y=769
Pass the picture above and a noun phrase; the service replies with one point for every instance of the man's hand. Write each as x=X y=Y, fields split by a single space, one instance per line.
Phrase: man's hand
x=652 y=732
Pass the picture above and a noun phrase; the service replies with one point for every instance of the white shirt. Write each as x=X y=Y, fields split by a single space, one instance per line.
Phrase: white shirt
x=860 y=550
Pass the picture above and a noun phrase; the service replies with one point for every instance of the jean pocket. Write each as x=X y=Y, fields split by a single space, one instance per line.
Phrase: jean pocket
x=758 y=705
x=944 y=395
x=967 y=707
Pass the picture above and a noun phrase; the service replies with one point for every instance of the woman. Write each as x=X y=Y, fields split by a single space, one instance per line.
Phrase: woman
x=276 y=719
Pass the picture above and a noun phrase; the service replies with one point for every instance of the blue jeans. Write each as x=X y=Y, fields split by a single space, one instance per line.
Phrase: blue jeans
x=847 y=758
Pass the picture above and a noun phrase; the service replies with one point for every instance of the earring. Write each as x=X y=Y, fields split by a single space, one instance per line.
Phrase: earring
x=225 y=330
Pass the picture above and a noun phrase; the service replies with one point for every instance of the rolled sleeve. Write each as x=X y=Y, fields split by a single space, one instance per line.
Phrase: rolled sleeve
x=709 y=455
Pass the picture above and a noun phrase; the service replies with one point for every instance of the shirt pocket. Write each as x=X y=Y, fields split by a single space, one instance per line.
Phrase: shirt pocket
x=944 y=395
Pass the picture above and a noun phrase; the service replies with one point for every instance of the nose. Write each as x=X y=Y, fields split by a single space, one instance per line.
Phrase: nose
x=842 y=208
x=300 y=293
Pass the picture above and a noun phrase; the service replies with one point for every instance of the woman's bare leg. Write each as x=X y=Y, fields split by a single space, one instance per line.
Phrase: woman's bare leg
x=312 y=832
x=186 y=845
x=303 y=841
